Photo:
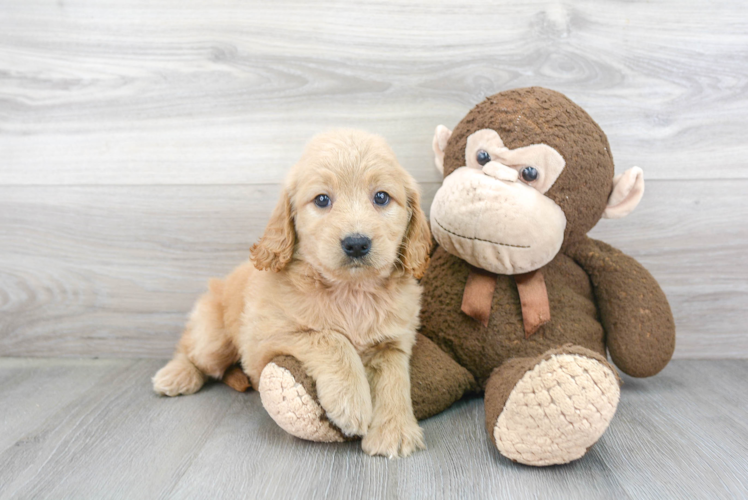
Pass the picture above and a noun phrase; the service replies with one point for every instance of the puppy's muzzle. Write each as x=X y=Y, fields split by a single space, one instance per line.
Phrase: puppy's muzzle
x=356 y=245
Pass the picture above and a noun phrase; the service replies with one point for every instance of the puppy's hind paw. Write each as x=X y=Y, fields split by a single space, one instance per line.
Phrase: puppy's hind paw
x=394 y=439
x=179 y=376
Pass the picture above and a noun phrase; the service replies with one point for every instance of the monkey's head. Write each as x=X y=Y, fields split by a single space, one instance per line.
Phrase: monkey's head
x=526 y=173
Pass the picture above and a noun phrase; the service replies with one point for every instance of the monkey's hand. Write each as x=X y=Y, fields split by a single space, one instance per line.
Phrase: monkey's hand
x=636 y=316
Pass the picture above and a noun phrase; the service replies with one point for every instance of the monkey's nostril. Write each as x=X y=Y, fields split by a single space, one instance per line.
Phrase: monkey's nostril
x=356 y=245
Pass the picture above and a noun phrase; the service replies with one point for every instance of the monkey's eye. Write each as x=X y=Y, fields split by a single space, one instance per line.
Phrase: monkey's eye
x=529 y=174
x=483 y=157
x=381 y=198
x=322 y=201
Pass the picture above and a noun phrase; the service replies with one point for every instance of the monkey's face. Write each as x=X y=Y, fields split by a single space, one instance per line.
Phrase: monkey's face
x=493 y=211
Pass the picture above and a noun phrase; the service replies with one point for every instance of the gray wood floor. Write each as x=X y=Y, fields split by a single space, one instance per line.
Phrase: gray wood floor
x=72 y=428
x=142 y=143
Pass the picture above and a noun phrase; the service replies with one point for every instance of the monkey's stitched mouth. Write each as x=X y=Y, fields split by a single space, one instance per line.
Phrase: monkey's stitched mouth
x=478 y=239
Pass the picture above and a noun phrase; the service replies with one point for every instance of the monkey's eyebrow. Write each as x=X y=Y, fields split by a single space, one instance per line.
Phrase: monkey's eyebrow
x=478 y=239
x=488 y=137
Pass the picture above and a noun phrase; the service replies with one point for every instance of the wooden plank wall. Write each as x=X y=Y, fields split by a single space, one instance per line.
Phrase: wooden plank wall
x=142 y=143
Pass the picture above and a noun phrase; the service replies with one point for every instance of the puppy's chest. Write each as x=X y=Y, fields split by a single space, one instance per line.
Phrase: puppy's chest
x=365 y=319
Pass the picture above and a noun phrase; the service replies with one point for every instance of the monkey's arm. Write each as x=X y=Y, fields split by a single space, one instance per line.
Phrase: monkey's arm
x=636 y=316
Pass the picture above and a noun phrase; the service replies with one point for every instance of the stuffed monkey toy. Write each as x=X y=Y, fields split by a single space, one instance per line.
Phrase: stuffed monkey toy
x=519 y=304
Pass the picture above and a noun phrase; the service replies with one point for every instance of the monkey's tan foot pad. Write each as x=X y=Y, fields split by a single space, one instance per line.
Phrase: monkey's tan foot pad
x=289 y=396
x=557 y=410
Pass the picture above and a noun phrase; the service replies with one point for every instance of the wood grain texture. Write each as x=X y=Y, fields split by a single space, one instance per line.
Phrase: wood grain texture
x=103 y=434
x=141 y=144
x=124 y=92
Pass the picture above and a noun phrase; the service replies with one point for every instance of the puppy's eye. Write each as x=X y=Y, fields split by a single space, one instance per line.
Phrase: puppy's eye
x=483 y=157
x=322 y=201
x=381 y=198
x=529 y=174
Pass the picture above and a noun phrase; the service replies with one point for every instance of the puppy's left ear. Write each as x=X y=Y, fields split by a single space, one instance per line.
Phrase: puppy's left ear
x=275 y=248
x=416 y=246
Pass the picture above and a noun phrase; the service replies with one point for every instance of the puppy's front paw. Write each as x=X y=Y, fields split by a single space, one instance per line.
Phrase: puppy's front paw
x=349 y=409
x=394 y=438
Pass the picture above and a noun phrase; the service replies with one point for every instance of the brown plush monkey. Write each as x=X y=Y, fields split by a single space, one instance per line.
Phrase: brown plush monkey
x=518 y=295
x=518 y=302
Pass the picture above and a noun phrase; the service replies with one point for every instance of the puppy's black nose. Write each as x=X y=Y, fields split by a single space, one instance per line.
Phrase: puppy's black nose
x=356 y=245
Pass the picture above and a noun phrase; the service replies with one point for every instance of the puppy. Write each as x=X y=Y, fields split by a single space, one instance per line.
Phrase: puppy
x=331 y=282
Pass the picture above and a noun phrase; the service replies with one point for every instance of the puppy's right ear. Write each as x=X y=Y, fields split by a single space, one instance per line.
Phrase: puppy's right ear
x=275 y=248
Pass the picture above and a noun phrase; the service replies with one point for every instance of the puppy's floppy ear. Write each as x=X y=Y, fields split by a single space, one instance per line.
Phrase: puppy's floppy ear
x=275 y=248
x=416 y=247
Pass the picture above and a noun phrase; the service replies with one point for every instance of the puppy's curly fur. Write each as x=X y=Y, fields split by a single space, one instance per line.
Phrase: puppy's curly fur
x=350 y=321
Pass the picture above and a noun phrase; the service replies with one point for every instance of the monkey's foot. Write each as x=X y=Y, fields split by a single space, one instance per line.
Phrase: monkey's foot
x=290 y=397
x=557 y=410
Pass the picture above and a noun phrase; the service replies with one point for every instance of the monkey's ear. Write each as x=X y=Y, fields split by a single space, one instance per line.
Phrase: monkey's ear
x=439 y=144
x=628 y=189
x=275 y=248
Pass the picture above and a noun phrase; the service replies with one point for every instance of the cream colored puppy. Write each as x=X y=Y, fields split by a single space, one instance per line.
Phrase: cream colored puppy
x=331 y=282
